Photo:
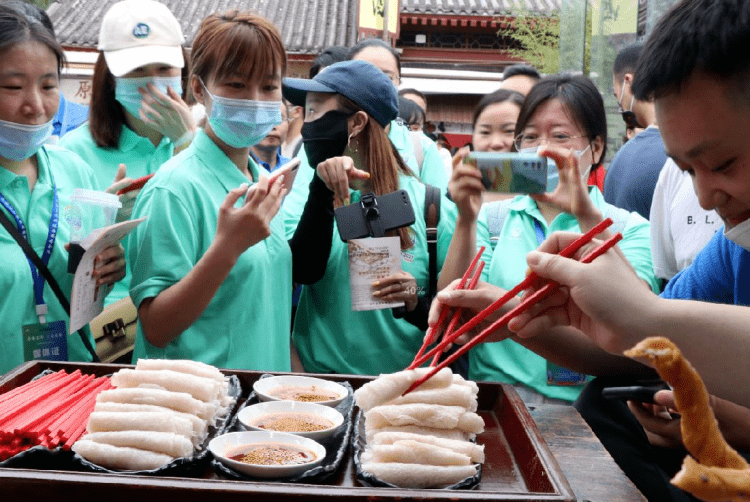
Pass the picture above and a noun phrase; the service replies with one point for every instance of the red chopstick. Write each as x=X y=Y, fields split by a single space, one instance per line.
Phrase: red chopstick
x=522 y=307
x=568 y=252
x=457 y=314
x=430 y=336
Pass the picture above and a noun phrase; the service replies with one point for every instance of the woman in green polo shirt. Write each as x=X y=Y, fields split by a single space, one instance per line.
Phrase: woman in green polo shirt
x=564 y=113
x=212 y=268
x=348 y=105
x=36 y=184
x=137 y=117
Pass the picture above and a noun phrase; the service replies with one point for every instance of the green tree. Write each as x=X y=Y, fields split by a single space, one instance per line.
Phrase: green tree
x=42 y=4
x=537 y=38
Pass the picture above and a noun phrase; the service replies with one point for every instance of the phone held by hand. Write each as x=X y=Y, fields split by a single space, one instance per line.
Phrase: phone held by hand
x=288 y=170
x=511 y=172
x=373 y=216
x=640 y=393
x=136 y=185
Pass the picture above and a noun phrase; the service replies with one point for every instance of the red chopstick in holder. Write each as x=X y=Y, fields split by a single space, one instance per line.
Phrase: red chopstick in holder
x=457 y=314
x=568 y=252
x=430 y=336
x=522 y=307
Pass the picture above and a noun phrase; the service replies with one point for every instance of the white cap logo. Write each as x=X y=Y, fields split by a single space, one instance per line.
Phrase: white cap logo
x=141 y=30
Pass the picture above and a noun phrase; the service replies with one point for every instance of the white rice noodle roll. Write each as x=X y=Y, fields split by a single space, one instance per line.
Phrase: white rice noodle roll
x=454 y=395
x=459 y=380
x=473 y=450
x=388 y=387
x=419 y=476
x=200 y=426
x=116 y=457
x=414 y=452
x=196 y=368
x=425 y=415
x=454 y=434
x=167 y=443
x=178 y=401
x=203 y=389
x=109 y=421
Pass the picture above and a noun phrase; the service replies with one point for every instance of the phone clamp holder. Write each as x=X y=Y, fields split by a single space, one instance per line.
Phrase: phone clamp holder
x=371 y=213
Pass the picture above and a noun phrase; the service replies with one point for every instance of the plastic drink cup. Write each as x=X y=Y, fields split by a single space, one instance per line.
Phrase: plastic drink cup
x=88 y=210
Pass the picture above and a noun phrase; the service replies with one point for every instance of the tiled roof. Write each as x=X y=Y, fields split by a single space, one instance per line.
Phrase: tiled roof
x=306 y=26
x=479 y=7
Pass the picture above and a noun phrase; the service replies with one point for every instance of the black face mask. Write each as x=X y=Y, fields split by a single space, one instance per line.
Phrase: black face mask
x=325 y=137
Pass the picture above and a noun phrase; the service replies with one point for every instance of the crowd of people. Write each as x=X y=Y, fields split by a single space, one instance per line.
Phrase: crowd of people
x=239 y=268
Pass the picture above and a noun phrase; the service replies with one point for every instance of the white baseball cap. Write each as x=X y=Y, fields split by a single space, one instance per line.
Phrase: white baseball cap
x=139 y=32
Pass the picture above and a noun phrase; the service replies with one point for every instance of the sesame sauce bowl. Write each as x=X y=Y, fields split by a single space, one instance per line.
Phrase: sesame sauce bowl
x=308 y=389
x=267 y=454
x=308 y=420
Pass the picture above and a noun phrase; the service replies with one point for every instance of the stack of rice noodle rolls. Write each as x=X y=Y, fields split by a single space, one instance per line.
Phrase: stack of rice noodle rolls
x=425 y=438
x=157 y=412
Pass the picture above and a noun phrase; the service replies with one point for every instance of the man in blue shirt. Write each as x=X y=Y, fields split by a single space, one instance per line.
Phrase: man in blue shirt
x=267 y=153
x=634 y=171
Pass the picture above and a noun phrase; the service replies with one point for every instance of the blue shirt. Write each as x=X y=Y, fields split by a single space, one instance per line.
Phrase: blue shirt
x=280 y=161
x=719 y=274
x=634 y=171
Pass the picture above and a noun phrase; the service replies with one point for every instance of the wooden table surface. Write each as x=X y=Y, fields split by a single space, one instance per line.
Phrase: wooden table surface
x=592 y=473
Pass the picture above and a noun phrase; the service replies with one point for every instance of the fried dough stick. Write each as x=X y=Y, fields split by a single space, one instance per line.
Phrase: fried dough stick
x=720 y=473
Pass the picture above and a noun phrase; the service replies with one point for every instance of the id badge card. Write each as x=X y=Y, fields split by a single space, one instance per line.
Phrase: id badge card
x=557 y=375
x=45 y=341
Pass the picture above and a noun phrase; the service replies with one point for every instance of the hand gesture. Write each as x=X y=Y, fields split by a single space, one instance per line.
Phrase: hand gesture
x=239 y=228
x=571 y=194
x=128 y=198
x=166 y=113
x=472 y=301
x=399 y=287
x=339 y=174
x=465 y=186
x=587 y=301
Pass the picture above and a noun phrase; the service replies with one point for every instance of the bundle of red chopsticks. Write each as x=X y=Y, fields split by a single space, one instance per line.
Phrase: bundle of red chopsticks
x=451 y=334
x=50 y=411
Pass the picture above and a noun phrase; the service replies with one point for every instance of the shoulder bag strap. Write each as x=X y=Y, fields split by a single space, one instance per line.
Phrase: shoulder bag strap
x=42 y=268
x=432 y=218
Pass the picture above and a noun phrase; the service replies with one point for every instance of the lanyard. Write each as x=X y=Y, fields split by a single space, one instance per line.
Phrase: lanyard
x=41 y=307
x=539 y=232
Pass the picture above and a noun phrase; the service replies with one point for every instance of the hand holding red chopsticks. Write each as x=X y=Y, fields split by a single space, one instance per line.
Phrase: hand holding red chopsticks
x=568 y=252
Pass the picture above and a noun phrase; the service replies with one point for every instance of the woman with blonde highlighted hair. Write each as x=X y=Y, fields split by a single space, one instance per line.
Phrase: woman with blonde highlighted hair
x=347 y=108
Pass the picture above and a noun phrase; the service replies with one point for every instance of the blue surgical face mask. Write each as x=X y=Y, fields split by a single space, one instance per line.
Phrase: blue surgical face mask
x=553 y=177
x=127 y=94
x=21 y=141
x=241 y=123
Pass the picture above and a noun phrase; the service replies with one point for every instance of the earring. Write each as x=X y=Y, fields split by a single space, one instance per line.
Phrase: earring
x=349 y=145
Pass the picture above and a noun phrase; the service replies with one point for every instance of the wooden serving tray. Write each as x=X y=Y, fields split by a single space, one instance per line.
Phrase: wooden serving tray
x=519 y=465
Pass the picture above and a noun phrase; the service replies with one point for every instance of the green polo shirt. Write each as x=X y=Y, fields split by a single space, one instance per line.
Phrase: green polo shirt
x=508 y=361
x=137 y=153
x=330 y=337
x=247 y=323
x=432 y=172
x=17 y=306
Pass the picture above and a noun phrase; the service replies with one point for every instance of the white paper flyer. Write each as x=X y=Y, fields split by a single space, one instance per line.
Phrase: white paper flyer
x=370 y=260
x=87 y=299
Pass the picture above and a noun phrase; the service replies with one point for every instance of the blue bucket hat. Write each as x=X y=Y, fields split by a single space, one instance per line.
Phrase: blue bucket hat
x=359 y=81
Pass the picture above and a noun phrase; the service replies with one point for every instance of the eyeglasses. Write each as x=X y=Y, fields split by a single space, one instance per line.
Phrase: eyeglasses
x=523 y=141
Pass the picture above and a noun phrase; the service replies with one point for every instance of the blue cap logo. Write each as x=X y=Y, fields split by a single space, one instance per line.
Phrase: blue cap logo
x=141 y=30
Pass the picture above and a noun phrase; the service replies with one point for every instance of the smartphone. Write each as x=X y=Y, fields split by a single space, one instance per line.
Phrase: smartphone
x=288 y=170
x=511 y=172
x=641 y=393
x=137 y=184
x=372 y=218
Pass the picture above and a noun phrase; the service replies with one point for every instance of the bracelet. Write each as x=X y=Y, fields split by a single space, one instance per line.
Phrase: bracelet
x=184 y=140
